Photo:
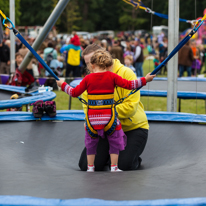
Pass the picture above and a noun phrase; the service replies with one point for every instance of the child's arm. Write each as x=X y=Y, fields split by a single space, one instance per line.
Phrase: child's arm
x=133 y=84
x=73 y=92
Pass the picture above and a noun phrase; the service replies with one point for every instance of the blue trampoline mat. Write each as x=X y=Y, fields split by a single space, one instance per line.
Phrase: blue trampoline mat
x=55 y=164
x=32 y=201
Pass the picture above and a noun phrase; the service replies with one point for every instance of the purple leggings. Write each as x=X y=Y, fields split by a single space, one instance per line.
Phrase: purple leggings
x=117 y=142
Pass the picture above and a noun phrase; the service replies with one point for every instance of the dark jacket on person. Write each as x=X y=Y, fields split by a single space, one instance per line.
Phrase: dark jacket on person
x=185 y=56
x=141 y=56
x=117 y=53
x=4 y=53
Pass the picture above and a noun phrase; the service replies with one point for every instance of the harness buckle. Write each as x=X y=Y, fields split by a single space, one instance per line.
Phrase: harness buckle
x=148 y=10
x=99 y=102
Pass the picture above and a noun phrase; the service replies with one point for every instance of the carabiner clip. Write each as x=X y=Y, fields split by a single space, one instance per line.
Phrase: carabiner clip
x=148 y=10
x=9 y=22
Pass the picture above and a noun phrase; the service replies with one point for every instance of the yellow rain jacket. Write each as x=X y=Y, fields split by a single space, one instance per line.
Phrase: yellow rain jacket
x=131 y=112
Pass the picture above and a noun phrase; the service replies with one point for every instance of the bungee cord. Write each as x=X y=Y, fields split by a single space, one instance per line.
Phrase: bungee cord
x=139 y=5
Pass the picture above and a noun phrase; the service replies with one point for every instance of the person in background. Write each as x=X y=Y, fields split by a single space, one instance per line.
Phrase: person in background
x=117 y=52
x=18 y=44
x=8 y=43
x=138 y=59
x=185 y=59
x=163 y=53
x=202 y=56
x=195 y=55
x=160 y=37
x=73 y=56
x=4 y=59
x=128 y=51
x=104 y=44
x=196 y=65
x=128 y=61
x=49 y=51
x=20 y=79
x=156 y=61
x=23 y=51
x=128 y=44
x=40 y=67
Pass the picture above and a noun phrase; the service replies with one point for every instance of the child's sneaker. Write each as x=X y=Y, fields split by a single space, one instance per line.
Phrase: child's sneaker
x=50 y=108
x=90 y=168
x=38 y=109
x=114 y=168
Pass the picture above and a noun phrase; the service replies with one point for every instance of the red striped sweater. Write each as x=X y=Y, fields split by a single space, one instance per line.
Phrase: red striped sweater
x=101 y=83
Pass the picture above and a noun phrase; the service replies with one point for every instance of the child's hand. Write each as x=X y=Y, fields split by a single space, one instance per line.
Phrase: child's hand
x=60 y=82
x=150 y=77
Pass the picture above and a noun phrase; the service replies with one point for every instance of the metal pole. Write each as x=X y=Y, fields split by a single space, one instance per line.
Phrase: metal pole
x=43 y=34
x=12 y=37
x=173 y=40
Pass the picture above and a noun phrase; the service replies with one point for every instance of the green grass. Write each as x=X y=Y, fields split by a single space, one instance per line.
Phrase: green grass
x=148 y=66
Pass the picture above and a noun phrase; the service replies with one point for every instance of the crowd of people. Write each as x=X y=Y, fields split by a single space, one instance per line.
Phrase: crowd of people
x=65 y=56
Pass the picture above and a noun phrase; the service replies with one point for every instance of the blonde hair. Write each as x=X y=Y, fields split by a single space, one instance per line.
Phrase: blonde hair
x=102 y=58
x=130 y=57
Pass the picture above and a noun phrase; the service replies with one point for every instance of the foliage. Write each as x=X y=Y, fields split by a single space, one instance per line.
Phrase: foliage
x=93 y=15
x=4 y=6
x=35 y=12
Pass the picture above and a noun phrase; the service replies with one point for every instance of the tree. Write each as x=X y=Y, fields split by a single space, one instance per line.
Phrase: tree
x=4 y=6
x=35 y=12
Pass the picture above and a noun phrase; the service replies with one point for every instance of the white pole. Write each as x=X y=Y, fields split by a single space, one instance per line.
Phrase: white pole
x=12 y=37
x=173 y=39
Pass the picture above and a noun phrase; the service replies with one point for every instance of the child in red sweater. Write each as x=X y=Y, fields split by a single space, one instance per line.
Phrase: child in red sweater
x=101 y=112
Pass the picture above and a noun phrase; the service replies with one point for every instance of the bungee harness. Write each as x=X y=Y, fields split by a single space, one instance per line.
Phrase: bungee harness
x=105 y=101
x=102 y=101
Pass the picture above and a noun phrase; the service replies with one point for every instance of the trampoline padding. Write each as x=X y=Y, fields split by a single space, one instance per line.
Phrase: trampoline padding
x=24 y=200
x=64 y=115
x=12 y=103
x=183 y=86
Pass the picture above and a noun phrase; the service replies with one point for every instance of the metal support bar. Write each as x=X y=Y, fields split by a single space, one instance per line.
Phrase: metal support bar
x=173 y=63
x=205 y=106
x=179 y=109
x=12 y=37
x=43 y=34
x=70 y=102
